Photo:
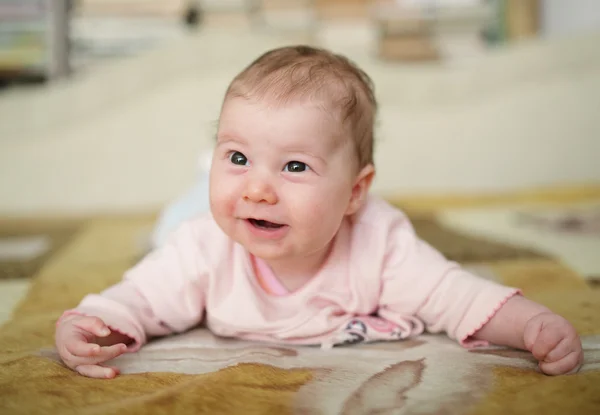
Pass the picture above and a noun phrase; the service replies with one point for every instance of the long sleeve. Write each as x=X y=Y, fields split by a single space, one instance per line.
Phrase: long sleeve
x=418 y=281
x=163 y=294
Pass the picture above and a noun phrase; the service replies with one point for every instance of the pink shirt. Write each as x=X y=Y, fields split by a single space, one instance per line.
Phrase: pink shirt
x=380 y=282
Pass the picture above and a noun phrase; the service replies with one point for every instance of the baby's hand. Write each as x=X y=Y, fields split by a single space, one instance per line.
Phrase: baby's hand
x=76 y=338
x=554 y=342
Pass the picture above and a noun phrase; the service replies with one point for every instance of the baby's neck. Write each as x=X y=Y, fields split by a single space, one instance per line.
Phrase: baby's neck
x=293 y=273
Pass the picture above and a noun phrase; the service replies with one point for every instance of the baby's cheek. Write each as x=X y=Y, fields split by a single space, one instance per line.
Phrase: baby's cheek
x=313 y=209
x=225 y=205
x=221 y=201
x=322 y=220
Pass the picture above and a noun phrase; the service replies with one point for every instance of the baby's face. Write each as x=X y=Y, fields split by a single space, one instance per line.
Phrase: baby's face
x=281 y=177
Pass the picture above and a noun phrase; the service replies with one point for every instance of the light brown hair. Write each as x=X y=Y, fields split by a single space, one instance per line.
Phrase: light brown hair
x=304 y=72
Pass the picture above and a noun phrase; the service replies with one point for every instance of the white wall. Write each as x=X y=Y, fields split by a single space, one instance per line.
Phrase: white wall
x=564 y=17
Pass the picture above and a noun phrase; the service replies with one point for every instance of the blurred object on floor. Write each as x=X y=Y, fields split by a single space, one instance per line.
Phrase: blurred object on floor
x=404 y=34
x=98 y=39
x=188 y=12
x=193 y=15
x=519 y=20
x=136 y=8
x=411 y=30
x=522 y=18
x=34 y=37
x=342 y=9
x=283 y=14
x=108 y=29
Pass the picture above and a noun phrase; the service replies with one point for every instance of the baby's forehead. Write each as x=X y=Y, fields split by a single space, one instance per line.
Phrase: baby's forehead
x=310 y=108
x=300 y=119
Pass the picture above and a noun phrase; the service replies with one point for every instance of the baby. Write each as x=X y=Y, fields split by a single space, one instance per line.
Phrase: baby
x=295 y=250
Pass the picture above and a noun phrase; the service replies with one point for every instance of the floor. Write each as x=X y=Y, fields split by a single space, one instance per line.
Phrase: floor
x=571 y=234
x=11 y=292
x=125 y=134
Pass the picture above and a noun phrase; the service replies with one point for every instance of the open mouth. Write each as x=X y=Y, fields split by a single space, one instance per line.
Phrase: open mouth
x=264 y=224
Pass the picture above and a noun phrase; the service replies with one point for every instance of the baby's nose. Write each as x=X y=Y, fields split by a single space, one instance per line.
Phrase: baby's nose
x=259 y=190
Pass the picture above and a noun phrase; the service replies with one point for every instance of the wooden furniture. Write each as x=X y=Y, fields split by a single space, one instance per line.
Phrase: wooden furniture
x=404 y=33
x=522 y=18
x=34 y=39
x=423 y=31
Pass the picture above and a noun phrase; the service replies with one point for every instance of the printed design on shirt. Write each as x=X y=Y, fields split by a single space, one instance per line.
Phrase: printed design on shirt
x=366 y=329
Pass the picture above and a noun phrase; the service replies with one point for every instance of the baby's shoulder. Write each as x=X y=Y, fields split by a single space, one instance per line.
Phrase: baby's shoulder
x=378 y=231
x=378 y=213
x=381 y=225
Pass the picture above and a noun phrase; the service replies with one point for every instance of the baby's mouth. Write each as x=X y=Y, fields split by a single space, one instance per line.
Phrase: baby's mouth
x=264 y=224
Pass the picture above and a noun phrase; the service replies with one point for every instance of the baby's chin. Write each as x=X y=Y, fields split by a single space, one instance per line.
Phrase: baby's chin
x=282 y=253
x=268 y=253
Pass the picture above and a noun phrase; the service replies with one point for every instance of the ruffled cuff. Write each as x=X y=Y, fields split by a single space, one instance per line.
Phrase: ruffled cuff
x=487 y=308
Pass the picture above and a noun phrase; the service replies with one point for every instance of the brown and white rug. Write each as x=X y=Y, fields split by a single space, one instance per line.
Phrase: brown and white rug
x=197 y=373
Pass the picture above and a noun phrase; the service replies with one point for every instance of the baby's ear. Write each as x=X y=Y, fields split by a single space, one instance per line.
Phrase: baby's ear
x=360 y=189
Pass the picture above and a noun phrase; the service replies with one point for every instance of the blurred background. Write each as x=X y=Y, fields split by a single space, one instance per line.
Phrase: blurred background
x=108 y=105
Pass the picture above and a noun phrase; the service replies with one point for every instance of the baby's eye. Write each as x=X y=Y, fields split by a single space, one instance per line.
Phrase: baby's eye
x=296 y=167
x=238 y=158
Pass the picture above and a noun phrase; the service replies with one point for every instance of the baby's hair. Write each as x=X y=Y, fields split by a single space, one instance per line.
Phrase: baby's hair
x=304 y=72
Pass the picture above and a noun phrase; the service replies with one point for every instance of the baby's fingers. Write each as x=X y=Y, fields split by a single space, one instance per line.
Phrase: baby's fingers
x=546 y=341
x=103 y=354
x=563 y=348
x=107 y=353
x=82 y=349
x=97 y=371
x=92 y=325
x=569 y=364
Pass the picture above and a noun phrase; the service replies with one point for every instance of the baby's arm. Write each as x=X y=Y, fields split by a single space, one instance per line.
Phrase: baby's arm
x=507 y=326
x=162 y=294
x=524 y=324
x=125 y=311
x=418 y=281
